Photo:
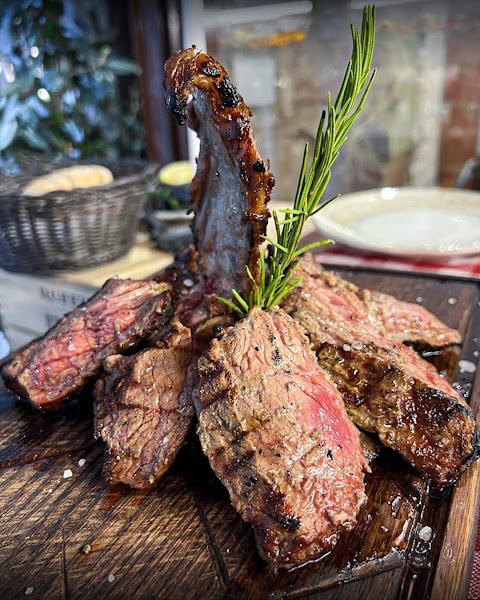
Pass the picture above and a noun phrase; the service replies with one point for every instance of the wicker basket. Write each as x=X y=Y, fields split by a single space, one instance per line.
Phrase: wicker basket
x=72 y=230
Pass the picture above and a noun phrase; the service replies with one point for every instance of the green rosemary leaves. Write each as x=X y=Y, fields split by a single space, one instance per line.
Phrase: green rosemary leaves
x=278 y=268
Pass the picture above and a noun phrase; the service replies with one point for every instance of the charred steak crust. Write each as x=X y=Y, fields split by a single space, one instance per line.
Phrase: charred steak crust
x=118 y=317
x=141 y=412
x=276 y=433
x=432 y=430
x=232 y=185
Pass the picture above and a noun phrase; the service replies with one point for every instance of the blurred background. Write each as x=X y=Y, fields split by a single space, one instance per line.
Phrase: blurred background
x=81 y=81
x=84 y=79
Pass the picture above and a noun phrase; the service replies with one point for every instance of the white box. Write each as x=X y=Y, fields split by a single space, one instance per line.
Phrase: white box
x=29 y=305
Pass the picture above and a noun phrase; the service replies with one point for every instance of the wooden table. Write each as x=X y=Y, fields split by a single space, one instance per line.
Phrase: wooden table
x=73 y=537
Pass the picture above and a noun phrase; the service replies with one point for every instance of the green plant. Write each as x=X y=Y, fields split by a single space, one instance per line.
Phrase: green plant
x=59 y=83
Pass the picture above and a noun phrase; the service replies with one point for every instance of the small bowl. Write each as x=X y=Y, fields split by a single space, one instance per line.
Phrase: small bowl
x=170 y=229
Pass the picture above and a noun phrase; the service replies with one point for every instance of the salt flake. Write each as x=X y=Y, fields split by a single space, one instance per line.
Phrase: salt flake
x=81 y=462
x=425 y=533
x=29 y=591
x=466 y=366
x=111 y=578
x=67 y=473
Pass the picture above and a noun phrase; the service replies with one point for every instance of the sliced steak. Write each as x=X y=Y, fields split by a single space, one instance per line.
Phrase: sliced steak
x=118 y=317
x=140 y=411
x=229 y=196
x=329 y=308
x=408 y=322
x=433 y=430
x=232 y=184
x=330 y=311
x=337 y=311
x=344 y=332
x=275 y=430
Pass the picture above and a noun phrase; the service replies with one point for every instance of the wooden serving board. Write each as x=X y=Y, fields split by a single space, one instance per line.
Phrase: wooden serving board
x=76 y=538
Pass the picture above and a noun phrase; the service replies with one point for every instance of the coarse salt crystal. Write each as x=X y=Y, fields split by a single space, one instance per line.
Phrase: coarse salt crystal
x=419 y=299
x=452 y=300
x=111 y=577
x=81 y=462
x=87 y=549
x=476 y=353
x=29 y=591
x=425 y=533
x=357 y=346
x=466 y=366
x=67 y=473
x=50 y=490
x=346 y=347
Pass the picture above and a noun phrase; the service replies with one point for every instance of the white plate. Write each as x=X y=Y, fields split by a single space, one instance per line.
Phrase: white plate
x=415 y=222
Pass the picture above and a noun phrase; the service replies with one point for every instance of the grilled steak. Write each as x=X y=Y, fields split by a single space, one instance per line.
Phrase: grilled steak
x=232 y=185
x=276 y=433
x=434 y=431
x=343 y=313
x=408 y=322
x=140 y=411
x=116 y=318
x=229 y=196
x=350 y=343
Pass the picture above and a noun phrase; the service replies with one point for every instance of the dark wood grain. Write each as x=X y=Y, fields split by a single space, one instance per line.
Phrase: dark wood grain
x=65 y=537
x=154 y=40
x=465 y=503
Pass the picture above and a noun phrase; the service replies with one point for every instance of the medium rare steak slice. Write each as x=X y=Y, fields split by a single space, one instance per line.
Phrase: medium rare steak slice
x=232 y=185
x=276 y=432
x=337 y=311
x=140 y=411
x=118 y=317
x=332 y=313
x=408 y=322
x=434 y=431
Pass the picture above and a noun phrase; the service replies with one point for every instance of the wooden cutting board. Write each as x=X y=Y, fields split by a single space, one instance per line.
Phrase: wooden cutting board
x=73 y=537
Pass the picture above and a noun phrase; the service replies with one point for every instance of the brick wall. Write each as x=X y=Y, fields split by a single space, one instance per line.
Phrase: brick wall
x=461 y=114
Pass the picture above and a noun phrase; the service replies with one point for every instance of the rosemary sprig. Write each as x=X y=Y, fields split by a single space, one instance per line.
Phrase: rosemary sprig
x=277 y=271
